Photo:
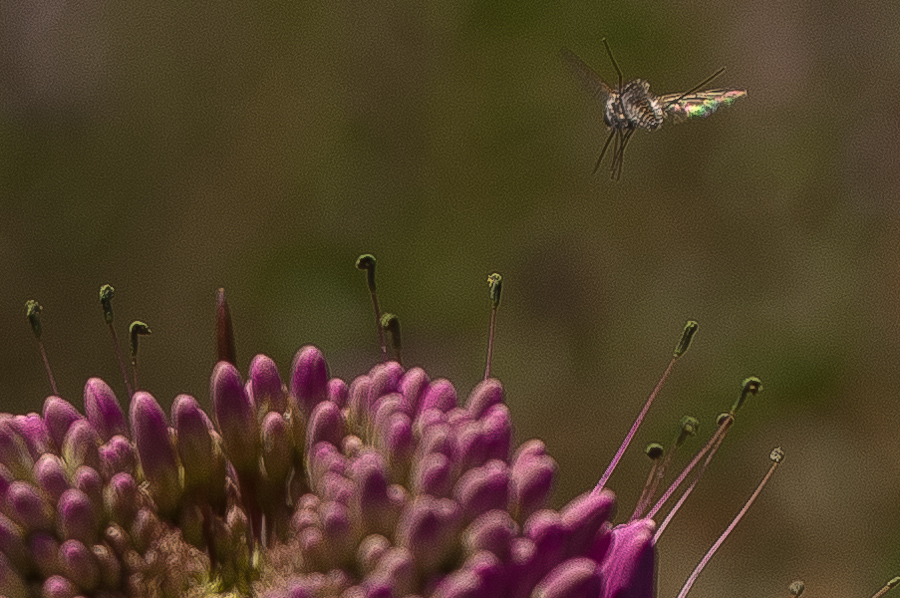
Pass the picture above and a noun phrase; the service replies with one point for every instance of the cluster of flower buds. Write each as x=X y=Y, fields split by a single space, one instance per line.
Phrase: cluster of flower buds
x=389 y=487
x=385 y=487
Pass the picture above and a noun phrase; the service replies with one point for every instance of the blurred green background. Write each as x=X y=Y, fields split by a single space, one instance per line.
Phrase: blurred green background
x=171 y=148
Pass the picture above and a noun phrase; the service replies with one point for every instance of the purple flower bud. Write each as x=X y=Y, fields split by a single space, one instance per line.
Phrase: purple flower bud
x=493 y=531
x=532 y=483
x=79 y=565
x=35 y=434
x=583 y=516
x=488 y=393
x=336 y=487
x=432 y=475
x=121 y=499
x=154 y=448
x=396 y=440
x=428 y=528
x=277 y=447
x=204 y=465
x=396 y=569
x=630 y=567
x=371 y=503
x=385 y=380
x=359 y=407
x=489 y=569
x=59 y=414
x=27 y=507
x=326 y=424
x=76 y=517
x=265 y=384
x=309 y=378
x=370 y=551
x=50 y=476
x=235 y=418
x=574 y=578
x=483 y=488
x=58 y=586
x=102 y=409
x=338 y=532
x=145 y=529
x=14 y=453
x=81 y=445
x=109 y=565
x=337 y=392
x=461 y=583
x=116 y=456
x=440 y=395
x=89 y=481
x=413 y=386
x=43 y=548
x=324 y=457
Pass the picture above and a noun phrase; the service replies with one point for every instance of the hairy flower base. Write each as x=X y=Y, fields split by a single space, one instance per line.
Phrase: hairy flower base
x=383 y=488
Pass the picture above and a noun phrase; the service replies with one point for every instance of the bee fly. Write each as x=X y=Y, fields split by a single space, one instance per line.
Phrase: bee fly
x=630 y=106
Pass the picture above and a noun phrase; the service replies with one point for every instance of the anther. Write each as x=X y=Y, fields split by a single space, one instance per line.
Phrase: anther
x=33 y=313
x=495 y=282
x=367 y=262
x=107 y=292
x=136 y=329
x=776 y=456
x=692 y=327
x=796 y=588
x=887 y=587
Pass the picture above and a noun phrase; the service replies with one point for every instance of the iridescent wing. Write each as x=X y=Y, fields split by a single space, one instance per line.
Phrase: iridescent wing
x=698 y=104
x=587 y=76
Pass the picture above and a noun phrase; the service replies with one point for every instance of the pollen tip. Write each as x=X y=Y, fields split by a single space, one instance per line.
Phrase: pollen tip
x=136 y=329
x=33 y=313
x=107 y=292
x=689 y=329
x=367 y=262
x=654 y=450
x=796 y=588
x=777 y=454
x=495 y=282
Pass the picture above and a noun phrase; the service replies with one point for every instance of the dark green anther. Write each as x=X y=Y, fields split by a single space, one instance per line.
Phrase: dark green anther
x=689 y=426
x=751 y=385
x=33 y=313
x=137 y=329
x=367 y=262
x=654 y=450
x=797 y=588
x=106 y=295
x=689 y=329
x=495 y=282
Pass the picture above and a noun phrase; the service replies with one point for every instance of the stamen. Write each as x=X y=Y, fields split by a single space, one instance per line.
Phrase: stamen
x=391 y=324
x=654 y=450
x=225 y=349
x=367 y=262
x=796 y=588
x=495 y=282
x=33 y=313
x=777 y=455
x=687 y=427
x=751 y=385
x=136 y=329
x=681 y=499
x=687 y=334
x=106 y=295
x=891 y=584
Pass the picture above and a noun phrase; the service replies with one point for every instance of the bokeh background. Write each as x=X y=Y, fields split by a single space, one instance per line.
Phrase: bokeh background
x=172 y=148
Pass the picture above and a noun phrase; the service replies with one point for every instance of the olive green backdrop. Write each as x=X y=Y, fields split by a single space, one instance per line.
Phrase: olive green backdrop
x=171 y=148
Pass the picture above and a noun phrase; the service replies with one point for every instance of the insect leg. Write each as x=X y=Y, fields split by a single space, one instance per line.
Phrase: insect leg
x=603 y=151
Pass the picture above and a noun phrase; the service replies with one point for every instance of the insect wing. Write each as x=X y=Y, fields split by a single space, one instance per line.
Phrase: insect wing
x=588 y=77
x=699 y=104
